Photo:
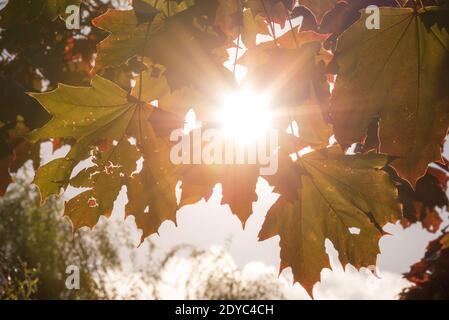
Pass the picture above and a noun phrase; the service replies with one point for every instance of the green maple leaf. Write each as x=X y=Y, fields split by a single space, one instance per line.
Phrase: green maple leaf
x=116 y=130
x=126 y=37
x=154 y=85
x=186 y=44
x=323 y=195
x=398 y=73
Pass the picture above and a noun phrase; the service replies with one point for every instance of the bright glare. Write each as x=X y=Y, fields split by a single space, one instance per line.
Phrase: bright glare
x=245 y=116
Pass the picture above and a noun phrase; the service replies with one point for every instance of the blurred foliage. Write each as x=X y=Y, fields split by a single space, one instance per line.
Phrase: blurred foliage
x=36 y=246
x=231 y=283
x=197 y=276
x=18 y=281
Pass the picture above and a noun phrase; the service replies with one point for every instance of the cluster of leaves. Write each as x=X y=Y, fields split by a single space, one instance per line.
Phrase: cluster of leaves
x=38 y=51
x=389 y=99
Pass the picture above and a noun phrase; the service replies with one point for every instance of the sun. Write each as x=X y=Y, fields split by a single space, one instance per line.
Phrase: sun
x=245 y=116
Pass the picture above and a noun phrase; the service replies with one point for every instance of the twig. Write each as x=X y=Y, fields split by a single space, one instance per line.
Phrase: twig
x=238 y=38
x=143 y=54
x=271 y=23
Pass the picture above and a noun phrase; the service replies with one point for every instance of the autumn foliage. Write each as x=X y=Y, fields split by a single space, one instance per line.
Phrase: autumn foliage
x=382 y=93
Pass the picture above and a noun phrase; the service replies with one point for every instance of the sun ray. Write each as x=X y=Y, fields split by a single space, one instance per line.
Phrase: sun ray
x=245 y=116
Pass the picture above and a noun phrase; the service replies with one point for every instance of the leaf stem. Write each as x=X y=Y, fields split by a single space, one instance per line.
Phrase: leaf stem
x=270 y=22
x=147 y=32
x=238 y=38
x=292 y=30
x=297 y=47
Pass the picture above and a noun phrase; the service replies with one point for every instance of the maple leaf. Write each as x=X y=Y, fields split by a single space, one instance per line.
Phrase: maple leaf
x=104 y=113
x=15 y=151
x=186 y=44
x=144 y=11
x=285 y=89
x=129 y=36
x=308 y=18
x=234 y=21
x=252 y=25
x=296 y=65
x=229 y=17
x=423 y=203
x=238 y=186
x=238 y=180
x=330 y=194
x=152 y=85
x=398 y=74
x=319 y=7
x=312 y=123
x=344 y=14
x=193 y=53
x=275 y=11
x=126 y=37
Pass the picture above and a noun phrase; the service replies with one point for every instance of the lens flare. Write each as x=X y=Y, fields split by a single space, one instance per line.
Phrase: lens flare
x=245 y=116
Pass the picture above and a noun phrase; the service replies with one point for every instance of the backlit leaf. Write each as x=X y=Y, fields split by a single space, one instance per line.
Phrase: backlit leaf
x=399 y=74
x=97 y=113
x=334 y=193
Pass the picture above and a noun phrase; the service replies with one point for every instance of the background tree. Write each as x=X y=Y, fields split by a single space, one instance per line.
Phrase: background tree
x=17 y=280
x=194 y=273
x=36 y=246
x=40 y=243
